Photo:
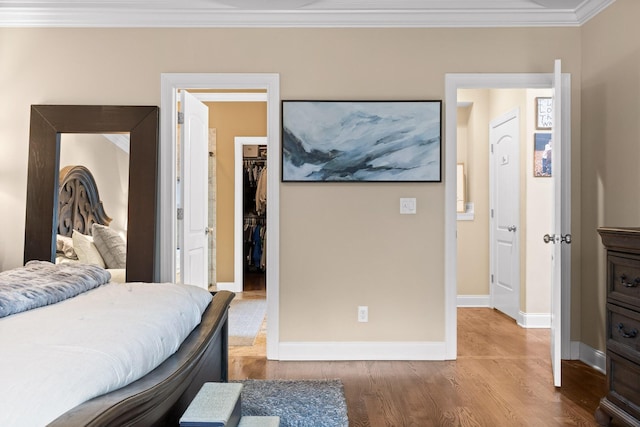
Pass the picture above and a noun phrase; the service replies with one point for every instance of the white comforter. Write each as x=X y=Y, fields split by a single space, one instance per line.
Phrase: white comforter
x=56 y=357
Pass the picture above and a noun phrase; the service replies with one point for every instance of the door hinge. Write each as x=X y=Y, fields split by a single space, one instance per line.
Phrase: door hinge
x=492 y=278
x=491 y=148
x=180 y=213
x=491 y=213
x=180 y=118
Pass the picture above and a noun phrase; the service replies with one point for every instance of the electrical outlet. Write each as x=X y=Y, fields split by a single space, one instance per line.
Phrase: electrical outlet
x=363 y=313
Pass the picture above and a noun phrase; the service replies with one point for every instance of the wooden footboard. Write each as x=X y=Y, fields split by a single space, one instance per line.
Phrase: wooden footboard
x=161 y=397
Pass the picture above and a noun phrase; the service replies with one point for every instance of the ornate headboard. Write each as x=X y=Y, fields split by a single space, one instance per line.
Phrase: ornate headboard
x=79 y=202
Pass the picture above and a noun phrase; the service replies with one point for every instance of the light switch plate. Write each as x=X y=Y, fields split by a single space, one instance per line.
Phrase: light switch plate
x=408 y=205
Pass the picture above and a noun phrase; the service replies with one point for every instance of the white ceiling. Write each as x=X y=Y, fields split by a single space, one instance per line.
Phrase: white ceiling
x=298 y=13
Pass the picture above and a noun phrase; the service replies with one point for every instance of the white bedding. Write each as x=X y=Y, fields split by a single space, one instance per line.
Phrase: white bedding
x=56 y=357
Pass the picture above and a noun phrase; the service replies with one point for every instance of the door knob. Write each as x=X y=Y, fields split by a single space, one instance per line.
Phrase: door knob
x=511 y=228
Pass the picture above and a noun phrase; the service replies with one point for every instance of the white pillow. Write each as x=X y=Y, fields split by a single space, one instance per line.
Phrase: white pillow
x=86 y=250
x=111 y=246
x=64 y=245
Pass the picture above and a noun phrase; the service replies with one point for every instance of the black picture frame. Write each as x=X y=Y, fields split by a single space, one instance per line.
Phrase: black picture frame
x=361 y=141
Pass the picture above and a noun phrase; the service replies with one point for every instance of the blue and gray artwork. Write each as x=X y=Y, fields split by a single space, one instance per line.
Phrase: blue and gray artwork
x=361 y=141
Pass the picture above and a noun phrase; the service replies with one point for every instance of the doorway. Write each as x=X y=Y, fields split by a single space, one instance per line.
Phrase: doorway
x=170 y=84
x=454 y=82
x=247 y=219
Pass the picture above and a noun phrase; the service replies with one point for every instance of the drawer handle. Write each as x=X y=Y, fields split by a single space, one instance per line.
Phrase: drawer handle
x=625 y=334
x=634 y=284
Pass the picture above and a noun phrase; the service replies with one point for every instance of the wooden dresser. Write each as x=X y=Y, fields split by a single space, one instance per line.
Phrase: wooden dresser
x=622 y=401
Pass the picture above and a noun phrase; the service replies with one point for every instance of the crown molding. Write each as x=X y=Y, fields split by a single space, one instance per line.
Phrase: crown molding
x=111 y=17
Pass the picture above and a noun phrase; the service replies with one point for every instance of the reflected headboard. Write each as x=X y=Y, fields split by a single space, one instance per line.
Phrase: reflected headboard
x=79 y=204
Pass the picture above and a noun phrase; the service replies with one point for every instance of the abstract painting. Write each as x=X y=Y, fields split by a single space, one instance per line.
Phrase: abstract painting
x=361 y=141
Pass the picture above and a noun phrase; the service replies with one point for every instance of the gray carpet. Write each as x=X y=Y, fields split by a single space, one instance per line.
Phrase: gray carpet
x=245 y=318
x=298 y=403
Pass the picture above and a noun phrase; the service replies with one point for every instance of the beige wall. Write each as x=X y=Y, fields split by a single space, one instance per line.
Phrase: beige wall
x=473 y=236
x=341 y=245
x=611 y=147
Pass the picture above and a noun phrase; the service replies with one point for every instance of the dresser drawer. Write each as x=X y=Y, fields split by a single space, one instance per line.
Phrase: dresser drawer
x=623 y=331
x=623 y=283
x=623 y=378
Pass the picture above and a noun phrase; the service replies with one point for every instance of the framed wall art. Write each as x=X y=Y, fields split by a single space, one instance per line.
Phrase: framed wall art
x=544 y=113
x=542 y=155
x=361 y=141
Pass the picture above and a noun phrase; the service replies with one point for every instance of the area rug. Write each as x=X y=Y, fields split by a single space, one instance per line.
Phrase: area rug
x=245 y=318
x=298 y=403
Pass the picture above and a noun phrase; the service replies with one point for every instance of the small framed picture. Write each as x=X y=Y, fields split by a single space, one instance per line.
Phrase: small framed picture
x=544 y=113
x=542 y=150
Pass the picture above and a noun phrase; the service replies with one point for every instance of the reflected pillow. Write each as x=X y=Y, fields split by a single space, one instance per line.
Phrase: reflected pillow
x=111 y=246
x=64 y=245
x=86 y=250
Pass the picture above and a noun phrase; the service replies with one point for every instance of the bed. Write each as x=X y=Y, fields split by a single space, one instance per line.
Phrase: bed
x=36 y=390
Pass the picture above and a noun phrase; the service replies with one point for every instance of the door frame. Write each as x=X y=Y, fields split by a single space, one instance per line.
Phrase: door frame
x=456 y=81
x=513 y=114
x=170 y=83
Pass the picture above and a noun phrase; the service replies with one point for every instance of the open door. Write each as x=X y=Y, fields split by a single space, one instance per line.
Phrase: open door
x=194 y=195
x=556 y=238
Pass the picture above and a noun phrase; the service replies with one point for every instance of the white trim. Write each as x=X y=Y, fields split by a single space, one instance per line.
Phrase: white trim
x=473 y=301
x=238 y=239
x=227 y=286
x=453 y=82
x=362 y=350
x=162 y=15
x=230 y=96
x=468 y=214
x=534 y=320
x=166 y=236
x=592 y=357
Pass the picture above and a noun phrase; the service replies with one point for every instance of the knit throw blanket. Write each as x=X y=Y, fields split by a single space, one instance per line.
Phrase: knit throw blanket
x=41 y=283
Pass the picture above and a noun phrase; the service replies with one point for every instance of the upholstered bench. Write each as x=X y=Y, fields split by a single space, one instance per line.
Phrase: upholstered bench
x=253 y=421
x=219 y=405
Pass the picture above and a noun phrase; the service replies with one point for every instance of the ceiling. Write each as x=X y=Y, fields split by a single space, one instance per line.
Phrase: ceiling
x=298 y=13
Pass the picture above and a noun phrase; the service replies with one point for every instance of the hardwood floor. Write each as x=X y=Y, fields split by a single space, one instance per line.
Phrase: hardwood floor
x=502 y=378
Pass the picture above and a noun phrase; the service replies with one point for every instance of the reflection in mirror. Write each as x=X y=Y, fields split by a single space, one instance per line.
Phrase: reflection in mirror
x=94 y=188
x=109 y=165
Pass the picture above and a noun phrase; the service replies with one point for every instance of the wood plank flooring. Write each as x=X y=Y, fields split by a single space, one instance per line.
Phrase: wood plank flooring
x=502 y=378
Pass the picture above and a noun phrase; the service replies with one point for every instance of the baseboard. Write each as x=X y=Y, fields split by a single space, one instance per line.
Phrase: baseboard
x=296 y=351
x=473 y=300
x=590 y=356
x=229 y=286
x=534 y=320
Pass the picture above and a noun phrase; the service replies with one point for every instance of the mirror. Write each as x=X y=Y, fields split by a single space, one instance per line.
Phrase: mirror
x=48 y=124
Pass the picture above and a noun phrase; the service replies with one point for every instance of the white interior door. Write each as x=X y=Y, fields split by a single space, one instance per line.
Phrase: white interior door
x=504 y=137
x=557 y=239
x=194 y=178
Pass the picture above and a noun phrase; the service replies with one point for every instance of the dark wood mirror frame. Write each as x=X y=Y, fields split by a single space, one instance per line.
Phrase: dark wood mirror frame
x=47 y=123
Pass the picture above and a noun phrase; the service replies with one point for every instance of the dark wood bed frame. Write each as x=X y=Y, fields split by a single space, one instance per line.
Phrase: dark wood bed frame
x=161 y=397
